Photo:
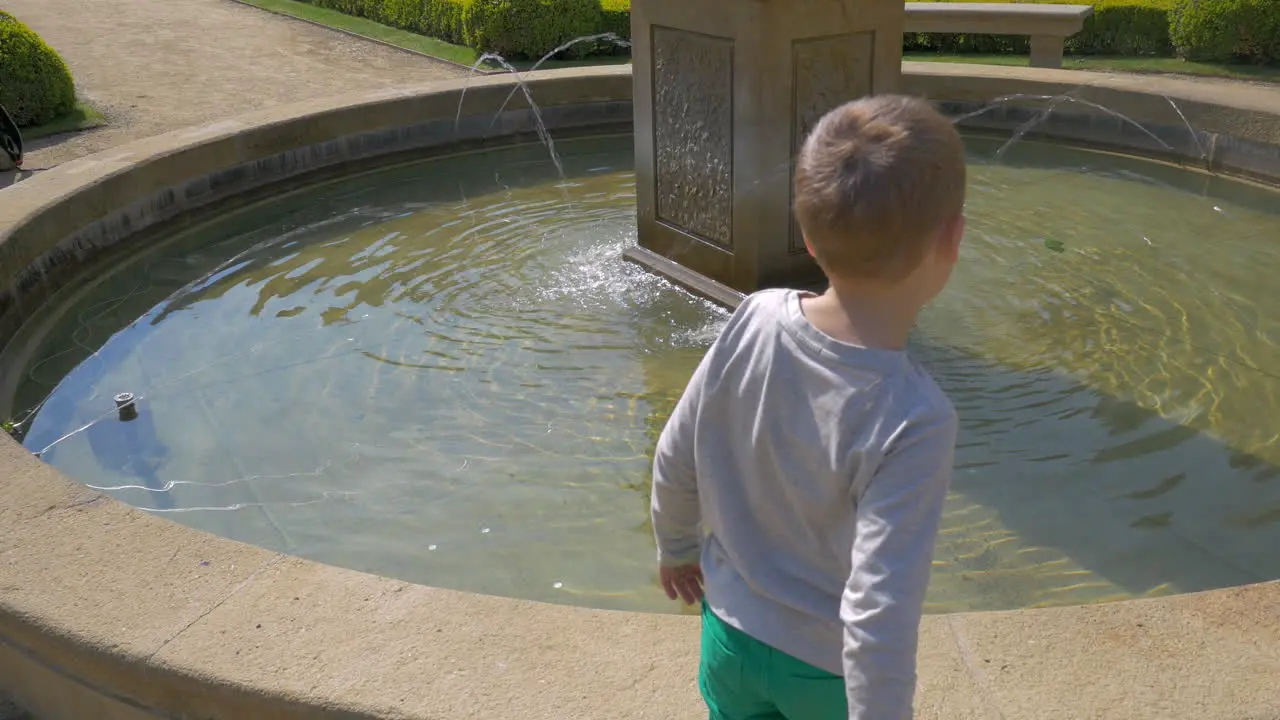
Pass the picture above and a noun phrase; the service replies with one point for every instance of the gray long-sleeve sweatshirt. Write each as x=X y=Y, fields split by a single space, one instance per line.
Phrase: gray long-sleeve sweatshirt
x=807 y=476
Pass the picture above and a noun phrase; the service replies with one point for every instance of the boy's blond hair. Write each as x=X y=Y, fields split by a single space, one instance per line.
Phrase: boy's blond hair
x=875 y=181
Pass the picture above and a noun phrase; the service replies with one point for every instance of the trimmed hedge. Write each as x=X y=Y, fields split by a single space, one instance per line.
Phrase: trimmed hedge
x=443 y=19
x=1117 y=27
x=35 y=84
x=616 y=18
x=1227 y=30
x=511 y=28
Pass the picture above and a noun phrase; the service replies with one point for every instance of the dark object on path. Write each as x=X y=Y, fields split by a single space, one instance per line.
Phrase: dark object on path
x=10 y=142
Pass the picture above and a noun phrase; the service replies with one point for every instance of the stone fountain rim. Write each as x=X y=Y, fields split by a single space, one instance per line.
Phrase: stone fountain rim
x=111 y=612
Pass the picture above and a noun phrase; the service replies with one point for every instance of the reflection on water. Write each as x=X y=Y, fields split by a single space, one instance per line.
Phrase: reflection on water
x=444 y=372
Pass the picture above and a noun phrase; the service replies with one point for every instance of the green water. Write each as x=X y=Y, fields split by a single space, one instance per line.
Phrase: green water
x=445 y=372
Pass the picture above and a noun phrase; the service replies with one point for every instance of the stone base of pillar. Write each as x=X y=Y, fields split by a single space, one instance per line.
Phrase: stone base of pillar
x=684 y=277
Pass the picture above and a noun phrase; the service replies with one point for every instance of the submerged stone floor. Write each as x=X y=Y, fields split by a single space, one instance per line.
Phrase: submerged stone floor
x=152 y=66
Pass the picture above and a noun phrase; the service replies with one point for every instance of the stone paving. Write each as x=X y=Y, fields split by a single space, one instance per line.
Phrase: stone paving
x=152 y=66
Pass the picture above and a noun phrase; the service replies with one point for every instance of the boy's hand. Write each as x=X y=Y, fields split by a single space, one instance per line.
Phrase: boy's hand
x=683 y=581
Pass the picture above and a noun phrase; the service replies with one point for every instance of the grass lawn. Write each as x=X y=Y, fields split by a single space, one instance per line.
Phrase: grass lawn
x=1150 y=65
x=403 y=38
x=82 y=117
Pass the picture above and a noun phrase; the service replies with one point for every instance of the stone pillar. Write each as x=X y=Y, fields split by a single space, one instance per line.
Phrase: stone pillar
x=1046 y=51
x=725 y=91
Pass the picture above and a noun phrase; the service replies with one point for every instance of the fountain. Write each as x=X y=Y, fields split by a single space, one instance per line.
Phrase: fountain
x=382 y=334
x=470 y=375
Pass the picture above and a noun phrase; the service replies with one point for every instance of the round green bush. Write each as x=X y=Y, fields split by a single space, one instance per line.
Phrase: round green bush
x=1227 y=30
x=35 y=85
x=1124 y=27
x=531 y=28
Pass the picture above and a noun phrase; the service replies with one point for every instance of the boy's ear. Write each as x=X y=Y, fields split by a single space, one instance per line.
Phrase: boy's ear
x=949 y=242
x=809 y=247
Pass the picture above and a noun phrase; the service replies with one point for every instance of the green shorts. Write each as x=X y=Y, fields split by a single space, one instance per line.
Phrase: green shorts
x=741 y=678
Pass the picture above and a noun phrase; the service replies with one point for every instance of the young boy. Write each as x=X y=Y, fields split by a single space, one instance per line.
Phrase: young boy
x=801 y=477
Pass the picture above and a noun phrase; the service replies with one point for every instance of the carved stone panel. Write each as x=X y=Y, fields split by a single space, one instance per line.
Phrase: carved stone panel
x=693 y=133
x=827 y=72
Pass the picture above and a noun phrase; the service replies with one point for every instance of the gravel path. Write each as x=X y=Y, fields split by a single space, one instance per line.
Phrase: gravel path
x=152 y=66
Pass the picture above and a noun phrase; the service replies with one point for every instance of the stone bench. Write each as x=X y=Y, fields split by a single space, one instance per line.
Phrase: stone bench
x=1048 y=25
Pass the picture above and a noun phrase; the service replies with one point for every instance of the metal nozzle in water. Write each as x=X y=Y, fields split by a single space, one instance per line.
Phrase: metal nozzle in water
x=127 y=406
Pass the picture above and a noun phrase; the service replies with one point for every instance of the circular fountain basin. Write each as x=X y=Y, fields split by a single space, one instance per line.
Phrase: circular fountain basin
x=114 y=612
x=445 y=373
